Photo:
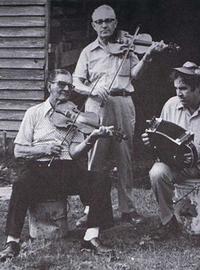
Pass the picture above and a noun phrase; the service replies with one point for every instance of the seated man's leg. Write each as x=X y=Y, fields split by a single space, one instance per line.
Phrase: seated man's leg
x=100 y=200
x=97 y=187
x=18 y=205
x=34 y=183
x=162 y=179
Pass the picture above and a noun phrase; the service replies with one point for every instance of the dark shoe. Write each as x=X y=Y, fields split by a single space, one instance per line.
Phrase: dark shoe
x=11 y=250
x=96 y=246
x=133 y=218
x=82 y=222
x=164 y=232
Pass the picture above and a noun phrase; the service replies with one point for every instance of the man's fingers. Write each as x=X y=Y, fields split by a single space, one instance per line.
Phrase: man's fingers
x=106 y=130
x=103 y=93
x=56 y=149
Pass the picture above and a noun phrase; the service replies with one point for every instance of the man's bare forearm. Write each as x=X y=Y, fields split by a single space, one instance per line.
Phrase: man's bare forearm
x=77 y=150
x=81 y=87
x=30 y=152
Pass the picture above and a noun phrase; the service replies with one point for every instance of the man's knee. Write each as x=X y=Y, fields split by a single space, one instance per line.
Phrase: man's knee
x=157 y=173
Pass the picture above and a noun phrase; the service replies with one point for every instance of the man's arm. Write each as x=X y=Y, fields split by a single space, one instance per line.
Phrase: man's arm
x=35 y=152
x=138 y=69
x=81 y=87
x=78 y=149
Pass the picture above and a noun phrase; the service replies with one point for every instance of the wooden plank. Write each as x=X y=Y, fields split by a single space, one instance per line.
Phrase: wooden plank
x=21 y=94
x=22 y=32
x=11 y=115
x=22 y=63
x=17 y=104
x=22 y=21
x=22 y=42
x=22 y=2
x=9 y=125
x=13 y=74
x=70 y=58
x=22 y=53
x=22 y=11
x=24 y=85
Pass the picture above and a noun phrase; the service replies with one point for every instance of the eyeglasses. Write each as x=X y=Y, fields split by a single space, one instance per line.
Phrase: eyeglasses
x=63 y=84
x=107 y=21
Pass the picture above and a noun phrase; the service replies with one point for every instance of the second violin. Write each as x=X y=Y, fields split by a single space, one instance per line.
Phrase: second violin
x=139 y=43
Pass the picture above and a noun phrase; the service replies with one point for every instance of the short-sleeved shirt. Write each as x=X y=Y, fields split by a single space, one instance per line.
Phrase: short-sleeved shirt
x=95 y=60
x=175 y=112
x=37 y=129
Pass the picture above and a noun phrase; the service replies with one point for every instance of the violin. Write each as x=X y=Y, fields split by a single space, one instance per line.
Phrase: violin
x=67 y=115
x=140 y=43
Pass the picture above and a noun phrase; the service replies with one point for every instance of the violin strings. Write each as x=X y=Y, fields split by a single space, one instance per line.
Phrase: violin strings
x=125 y=56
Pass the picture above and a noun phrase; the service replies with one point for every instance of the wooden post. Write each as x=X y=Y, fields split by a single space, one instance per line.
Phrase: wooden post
x=48 y=220
x=4 y=142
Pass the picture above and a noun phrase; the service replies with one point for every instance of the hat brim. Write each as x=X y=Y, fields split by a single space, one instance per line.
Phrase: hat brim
x=185 y=71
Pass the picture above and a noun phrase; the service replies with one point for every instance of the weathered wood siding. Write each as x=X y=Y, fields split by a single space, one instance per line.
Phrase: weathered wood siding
x=23 y=59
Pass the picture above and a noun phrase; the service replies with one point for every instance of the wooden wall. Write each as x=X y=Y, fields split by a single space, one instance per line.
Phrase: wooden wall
x=23 y=59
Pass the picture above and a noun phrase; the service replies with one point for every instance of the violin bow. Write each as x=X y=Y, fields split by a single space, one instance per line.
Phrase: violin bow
x=123 y=60
x=72 y=125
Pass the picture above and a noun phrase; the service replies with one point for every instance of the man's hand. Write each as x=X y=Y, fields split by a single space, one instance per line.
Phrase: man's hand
x=103 y=94
x=188 y=158
x=52 y=149
x=76 y=150
x=102 y=132
x=145 y=139
x=156 y=47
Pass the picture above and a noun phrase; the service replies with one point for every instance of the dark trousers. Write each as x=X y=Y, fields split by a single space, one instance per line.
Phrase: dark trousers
x=37 y=182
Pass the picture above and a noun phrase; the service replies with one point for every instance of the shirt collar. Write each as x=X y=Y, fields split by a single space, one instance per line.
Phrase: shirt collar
x=47 y=107
x=95 y=44
x=180 y=106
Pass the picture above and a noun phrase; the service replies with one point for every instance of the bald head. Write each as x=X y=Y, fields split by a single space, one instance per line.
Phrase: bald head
x=102 y=10
x=104 y=22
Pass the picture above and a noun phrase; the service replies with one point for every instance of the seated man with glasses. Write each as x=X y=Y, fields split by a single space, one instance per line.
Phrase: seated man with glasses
x=37 y=141
x=111 y=100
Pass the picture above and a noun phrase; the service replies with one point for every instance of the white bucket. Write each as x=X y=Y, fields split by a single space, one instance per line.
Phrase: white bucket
x=191 y=202
x=48 y=220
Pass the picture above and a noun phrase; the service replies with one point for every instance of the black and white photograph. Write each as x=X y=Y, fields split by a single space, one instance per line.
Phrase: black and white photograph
x=99 y=134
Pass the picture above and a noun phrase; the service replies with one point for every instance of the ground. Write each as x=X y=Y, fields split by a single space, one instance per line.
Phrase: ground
x=134 y=248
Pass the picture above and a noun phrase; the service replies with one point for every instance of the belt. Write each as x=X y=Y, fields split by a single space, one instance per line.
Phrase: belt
x=120 y=93
x=43 y=164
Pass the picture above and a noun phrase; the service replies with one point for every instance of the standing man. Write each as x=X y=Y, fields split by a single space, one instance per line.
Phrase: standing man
x=37 y=141
x=97 y=62
x=183 y=110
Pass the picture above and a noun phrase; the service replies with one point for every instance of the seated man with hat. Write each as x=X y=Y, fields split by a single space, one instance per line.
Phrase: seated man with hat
x=48 y=169
x=183 y=110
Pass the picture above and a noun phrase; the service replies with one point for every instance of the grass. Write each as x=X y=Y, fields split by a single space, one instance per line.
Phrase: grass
x=133 y=245
x=134 y=248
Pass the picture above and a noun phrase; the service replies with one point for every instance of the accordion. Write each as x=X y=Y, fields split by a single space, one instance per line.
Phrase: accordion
x=171 y=142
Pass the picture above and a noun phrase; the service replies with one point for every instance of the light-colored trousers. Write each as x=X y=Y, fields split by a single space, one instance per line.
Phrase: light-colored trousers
x=120 y=112
x=163 y=179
